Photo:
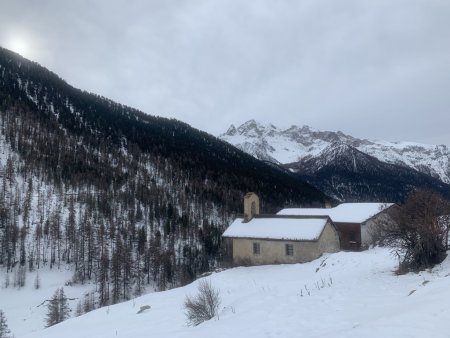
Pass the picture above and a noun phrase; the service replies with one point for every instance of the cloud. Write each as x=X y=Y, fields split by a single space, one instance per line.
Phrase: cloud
x=374 y=69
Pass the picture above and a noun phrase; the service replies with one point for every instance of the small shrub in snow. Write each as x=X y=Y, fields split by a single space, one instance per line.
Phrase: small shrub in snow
x=318 y=285
x=204 y=305
x=144 y=308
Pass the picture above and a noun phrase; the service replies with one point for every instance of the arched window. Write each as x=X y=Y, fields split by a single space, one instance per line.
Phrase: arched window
x=253 y=209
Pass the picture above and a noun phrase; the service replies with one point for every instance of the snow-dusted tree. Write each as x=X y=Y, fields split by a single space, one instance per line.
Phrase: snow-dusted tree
x=37 y=281
x=70 y=231
x=103 y=279
x=6 y=280
x=79 y=310
x=4 y=330
x=53 y=310
x=139 y=282
x=20 y=276
x=116 y=271
x=58 y=309
x=64 y=309
x=89 y=302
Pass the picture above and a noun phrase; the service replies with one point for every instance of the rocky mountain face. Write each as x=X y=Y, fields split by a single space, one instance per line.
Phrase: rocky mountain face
x=345 y=167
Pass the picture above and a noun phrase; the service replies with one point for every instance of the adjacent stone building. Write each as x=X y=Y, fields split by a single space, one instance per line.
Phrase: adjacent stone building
x=353 y=221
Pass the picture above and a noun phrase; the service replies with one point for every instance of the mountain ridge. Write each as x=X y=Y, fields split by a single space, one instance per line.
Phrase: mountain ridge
x=120 y=121
x=304 y=149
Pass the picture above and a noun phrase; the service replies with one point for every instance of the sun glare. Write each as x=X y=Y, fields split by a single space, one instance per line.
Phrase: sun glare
x=19 y=46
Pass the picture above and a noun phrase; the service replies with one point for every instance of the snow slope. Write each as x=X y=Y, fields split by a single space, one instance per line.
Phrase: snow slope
x=347 y=294
x=25 y=308
x=268 y=142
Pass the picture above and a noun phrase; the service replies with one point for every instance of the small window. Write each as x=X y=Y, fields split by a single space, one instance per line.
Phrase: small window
x=256 y=248
x=289 y=250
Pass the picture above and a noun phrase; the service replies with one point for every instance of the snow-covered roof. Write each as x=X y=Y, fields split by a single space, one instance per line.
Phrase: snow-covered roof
x=343 y=213
x=285 y=228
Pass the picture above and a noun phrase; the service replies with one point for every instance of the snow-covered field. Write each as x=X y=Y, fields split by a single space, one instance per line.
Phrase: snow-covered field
x=347 y=294
x=24 y=307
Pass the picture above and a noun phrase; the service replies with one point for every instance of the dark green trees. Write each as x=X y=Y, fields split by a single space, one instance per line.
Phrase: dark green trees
x=58 y=308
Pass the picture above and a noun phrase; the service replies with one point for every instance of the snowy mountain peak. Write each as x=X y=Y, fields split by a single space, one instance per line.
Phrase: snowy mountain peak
x=338 y=147
x=337 y=153
x=231 y=131
x=252 y=128
x=294 y=144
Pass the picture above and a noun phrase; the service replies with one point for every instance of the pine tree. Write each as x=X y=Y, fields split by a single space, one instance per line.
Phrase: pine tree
x=64 y=309
x=79 y=310
x=37 y=281
x=21 y=274
x=103 y=279
x=116 y=271
x=89 y=302
x=58 y=309
x=4 y=330
x=53 y=310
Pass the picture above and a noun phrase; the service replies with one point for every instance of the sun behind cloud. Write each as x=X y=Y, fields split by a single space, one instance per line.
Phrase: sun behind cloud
x=18 y=45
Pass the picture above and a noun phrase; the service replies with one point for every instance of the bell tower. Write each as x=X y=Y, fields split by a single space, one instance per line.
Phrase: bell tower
x=251 y=206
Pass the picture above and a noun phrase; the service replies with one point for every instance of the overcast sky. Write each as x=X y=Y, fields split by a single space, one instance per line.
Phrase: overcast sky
x=372 y=69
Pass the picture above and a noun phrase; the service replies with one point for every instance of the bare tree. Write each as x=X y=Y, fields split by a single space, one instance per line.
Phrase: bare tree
x=419 y=231
x=204 y=305
x=20 y=276
x=37 y=281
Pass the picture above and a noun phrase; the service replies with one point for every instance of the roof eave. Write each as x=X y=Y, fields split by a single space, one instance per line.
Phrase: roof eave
x=274 y=239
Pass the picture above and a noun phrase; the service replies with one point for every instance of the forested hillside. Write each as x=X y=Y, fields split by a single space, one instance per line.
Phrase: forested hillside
x=126 y=200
